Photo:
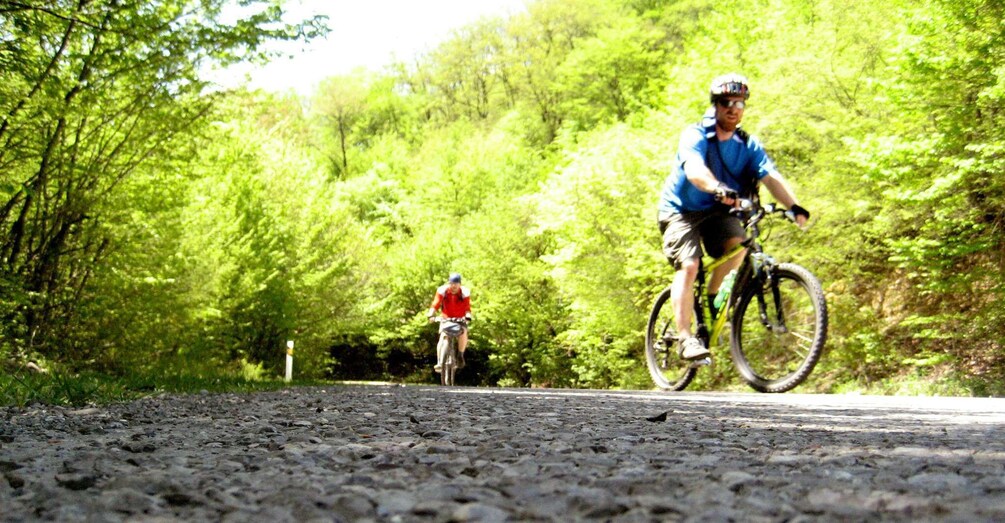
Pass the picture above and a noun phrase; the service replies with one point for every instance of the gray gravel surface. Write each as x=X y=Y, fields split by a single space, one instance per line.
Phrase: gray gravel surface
x=390 y=453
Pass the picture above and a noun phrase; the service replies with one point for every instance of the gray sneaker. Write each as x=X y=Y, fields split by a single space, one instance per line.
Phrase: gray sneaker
x=692 y=349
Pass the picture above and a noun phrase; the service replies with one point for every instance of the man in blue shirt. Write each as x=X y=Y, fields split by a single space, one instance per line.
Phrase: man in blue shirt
x=717 y=163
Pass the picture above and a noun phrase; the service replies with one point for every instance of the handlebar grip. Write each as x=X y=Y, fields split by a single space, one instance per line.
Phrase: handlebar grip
x=791 y=216
x=743 y=206
x=724 y=192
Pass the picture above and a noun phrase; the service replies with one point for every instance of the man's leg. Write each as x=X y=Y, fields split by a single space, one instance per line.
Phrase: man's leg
x=462 y=343
x=720 y=272
x=682 y=247
x=441 y=347
x=682 y=294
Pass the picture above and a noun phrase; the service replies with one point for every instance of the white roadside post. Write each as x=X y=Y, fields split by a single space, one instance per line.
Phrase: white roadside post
x=289 y=360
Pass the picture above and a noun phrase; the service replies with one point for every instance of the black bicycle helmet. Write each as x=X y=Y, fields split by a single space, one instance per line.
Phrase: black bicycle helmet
x=731 y=84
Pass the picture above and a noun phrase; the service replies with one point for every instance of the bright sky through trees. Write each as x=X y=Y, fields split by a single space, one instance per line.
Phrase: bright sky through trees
x=368 y=34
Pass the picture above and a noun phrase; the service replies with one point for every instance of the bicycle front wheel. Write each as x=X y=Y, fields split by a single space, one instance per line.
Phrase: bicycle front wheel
x=447 y=376
x=668 y=370
x=779 y=329
x=449 y=362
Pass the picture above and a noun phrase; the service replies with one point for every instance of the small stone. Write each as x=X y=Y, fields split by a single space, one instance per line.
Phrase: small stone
x=177 y=498
x=129 y=501
x=430 y=508
x=788 y=459
x=84 y=412
x=8 y=466
x=936 y=481
x=353 y=508
x=137 y=448
x=391 y=502
x=479 y=512
x=659 y=417
x=14 y=480
x=356 y=451
x=735 y=479
x=76 y=481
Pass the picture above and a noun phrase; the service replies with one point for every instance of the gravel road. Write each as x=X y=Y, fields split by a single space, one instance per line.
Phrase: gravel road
x=392 y=453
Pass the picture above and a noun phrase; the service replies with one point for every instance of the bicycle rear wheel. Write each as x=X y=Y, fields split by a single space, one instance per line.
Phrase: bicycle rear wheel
x=668 y=370
x=779 y=329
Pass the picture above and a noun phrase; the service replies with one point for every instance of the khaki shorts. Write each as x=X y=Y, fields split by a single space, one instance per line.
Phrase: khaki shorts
x=683 y=234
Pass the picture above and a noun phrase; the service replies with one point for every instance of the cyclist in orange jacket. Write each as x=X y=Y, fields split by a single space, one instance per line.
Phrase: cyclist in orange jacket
x=453 y=301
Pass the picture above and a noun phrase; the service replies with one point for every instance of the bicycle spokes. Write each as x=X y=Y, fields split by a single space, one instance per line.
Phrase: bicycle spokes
x=776 y=348
x=668 y=370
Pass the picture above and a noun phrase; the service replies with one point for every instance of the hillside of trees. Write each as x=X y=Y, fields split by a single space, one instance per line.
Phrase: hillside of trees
x=150 y=223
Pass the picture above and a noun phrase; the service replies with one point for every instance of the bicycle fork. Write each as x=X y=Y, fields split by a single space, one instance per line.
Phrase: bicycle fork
x=771 y=282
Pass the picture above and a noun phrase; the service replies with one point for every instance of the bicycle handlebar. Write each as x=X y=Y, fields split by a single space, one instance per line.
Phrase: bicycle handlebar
x=758 y=212
x=439 y=319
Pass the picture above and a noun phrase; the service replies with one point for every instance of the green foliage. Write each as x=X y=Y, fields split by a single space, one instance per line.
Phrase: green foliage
x=153 y=227
x=58 y=389
x=520 y=309
x=601 y=239
x=944 y=169
x=613 y=74
x=97 y=96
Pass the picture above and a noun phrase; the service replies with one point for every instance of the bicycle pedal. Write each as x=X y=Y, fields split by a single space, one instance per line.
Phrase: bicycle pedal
x=704 y=362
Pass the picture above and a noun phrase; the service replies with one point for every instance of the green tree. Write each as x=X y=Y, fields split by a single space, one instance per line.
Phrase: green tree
x=341 y=103
x=541 y=40
x=466 y=73
x=614 y=74
x=93 y=92
x=945 y=167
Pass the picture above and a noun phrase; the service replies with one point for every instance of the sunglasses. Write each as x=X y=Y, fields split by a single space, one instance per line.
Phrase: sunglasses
x=726 y=104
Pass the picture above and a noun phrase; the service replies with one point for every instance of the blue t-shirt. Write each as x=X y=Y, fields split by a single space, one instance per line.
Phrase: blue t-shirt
x=745 y=163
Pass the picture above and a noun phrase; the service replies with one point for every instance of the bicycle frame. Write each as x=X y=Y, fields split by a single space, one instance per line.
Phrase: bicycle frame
x=699 y=311
x=448 y=349
x=750 y=267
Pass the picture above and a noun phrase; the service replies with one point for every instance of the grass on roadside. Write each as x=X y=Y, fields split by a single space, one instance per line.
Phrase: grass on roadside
x=88 y=388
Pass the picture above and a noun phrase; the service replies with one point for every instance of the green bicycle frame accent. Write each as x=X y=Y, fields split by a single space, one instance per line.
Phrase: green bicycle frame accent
x=720 y=320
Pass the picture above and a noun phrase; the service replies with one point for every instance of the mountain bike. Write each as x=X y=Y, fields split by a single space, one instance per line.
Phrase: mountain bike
x=777 y=316
x=448 y=354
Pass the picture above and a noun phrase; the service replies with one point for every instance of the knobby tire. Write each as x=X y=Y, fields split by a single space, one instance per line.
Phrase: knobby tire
x=449 y=367
x=768 y=357
x=667 y=369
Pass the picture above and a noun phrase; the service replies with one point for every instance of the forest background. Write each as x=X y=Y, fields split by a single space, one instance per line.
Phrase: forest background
x=151 y=224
